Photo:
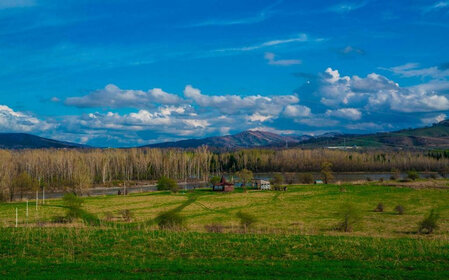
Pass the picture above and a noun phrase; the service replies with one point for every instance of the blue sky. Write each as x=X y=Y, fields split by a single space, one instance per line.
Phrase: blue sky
x=125 y=73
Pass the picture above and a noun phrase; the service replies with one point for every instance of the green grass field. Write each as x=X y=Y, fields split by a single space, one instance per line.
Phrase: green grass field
x=294 y=236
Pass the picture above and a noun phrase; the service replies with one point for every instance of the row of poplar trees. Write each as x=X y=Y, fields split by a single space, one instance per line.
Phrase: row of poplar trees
x=23 y=171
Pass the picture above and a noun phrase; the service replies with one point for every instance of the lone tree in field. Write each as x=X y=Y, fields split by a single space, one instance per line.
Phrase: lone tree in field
x=430 y=223
x=165 y=184
x=82 y=178
x=245 y=176
x=73 y=205
x=379 y=207
x=170 y=220
x=214 y=180
x=349 y=216
x=399 y=209
x=277 y=181
x=246 y=219
x=326 y=172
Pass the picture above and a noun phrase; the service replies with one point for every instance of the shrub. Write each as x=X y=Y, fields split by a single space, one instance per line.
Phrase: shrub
x=399 y=209
x=349 y=217
x=170 y=220
x=165 y=183
x=412 y=175
x=369 y=179
x=215 y=228
x=127 y=215
x=379 y=207
x=395 y=174
x=73 y=205
x=430 y=223
x=246 y=219
x=306 y=178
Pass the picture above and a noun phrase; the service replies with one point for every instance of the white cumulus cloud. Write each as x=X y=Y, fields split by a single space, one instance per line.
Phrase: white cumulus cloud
x=12 y=121
x=114 y=97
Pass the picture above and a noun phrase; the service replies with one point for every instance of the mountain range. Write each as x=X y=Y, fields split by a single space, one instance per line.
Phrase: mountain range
x=435 y=136
x=245 y=139
x=29 y=141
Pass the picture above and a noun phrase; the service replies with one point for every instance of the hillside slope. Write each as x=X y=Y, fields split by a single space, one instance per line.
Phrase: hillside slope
x=245 y=139
x=435 y=136
x=28 y=141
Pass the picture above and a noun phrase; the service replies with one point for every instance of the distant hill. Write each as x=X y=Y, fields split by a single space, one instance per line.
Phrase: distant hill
x=246 y=139
x=435 y=136
x=28 y=141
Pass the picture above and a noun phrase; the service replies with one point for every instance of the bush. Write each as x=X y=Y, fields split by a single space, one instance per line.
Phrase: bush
x=246 y=219
x=165 y=184
x=306 y=178
x=412 y=175
x=430 y=223
x=127 y=215
x=379 y=207
x=399 y=209
x=73 y=205
x=349 y=216
x=215 y=228
x=170 y=220
x=395 y=174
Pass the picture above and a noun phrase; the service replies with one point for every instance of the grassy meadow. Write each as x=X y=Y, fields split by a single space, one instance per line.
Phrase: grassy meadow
x=294 y=236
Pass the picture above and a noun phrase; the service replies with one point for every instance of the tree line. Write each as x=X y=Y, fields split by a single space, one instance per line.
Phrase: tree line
x=22 y=171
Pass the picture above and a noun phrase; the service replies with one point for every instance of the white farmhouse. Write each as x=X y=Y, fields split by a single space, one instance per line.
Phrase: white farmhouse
x=262 y=184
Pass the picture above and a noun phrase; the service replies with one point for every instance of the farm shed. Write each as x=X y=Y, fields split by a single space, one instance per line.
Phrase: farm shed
x=223 y=186
x=262 y=184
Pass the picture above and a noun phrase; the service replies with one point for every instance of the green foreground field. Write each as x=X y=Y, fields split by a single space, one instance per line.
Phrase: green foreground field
x=294 y=236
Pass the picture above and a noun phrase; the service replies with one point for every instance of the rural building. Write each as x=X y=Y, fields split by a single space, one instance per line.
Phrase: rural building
x=223 y=186
x=262 y=184
x=318 y=182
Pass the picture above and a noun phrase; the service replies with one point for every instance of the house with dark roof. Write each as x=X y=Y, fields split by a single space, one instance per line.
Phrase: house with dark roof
x=223 y=186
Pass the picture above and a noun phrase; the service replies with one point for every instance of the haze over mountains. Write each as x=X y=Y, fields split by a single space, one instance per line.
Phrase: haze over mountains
x=435 y=136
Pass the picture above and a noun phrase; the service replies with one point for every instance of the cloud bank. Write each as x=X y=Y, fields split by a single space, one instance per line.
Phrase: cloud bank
x=327 y=101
